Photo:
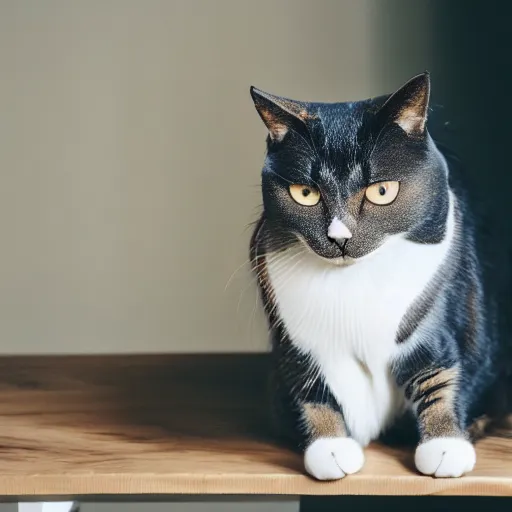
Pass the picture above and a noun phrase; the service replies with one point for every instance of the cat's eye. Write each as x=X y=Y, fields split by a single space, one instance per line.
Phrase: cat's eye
x=305 y=195
x=383 y=193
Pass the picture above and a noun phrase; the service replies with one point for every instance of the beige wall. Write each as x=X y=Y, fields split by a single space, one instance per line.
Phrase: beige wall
x=130 y=156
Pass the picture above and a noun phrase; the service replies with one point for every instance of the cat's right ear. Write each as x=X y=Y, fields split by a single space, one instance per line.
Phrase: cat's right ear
x=408 y=107
x=279 y=114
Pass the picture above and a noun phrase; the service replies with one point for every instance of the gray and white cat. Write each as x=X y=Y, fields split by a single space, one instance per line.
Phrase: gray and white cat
x=370 y=280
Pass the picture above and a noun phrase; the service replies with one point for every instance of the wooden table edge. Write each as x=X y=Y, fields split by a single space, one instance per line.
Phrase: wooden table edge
x=248 y=484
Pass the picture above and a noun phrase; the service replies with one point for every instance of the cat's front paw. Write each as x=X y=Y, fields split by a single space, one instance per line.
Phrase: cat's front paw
x=331 y=458
x=445 y=457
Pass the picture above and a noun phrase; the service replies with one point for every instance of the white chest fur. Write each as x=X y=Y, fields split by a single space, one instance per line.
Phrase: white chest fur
x=346 y=318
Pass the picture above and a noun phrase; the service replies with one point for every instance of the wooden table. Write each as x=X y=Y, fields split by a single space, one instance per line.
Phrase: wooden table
x=125 y=426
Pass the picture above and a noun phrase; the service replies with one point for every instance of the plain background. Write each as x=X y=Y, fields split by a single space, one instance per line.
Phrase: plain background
x=130 y=151
x=130 y=157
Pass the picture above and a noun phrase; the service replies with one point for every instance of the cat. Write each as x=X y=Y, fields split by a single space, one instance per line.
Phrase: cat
x=370 y=279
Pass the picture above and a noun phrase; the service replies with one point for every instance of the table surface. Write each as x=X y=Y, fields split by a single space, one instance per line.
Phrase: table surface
x=162 y=425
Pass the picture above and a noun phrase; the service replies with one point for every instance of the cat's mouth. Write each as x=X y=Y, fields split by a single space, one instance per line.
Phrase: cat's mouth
x=343 y=247
x=340 y=259
x=343 y=261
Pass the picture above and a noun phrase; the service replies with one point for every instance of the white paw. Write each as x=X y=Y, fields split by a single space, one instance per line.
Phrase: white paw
x=331 y=458
x=445 y=457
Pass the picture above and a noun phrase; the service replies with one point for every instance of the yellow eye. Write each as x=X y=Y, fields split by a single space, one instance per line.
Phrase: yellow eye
x=383 y=193
x=305 y=195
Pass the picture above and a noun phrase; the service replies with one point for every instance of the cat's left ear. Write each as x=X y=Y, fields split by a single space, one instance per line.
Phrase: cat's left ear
x=279 y=114
x=408 y=107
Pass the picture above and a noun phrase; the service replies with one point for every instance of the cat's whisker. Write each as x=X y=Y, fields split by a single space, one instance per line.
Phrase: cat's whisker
x=286 y=272
x=279 y=260
x=284 y=269
x=310 y=380
x=235 y=272
x=256 y=276
x=253 y=316
x=269 y=256
x=259 y=268
x=251 y=282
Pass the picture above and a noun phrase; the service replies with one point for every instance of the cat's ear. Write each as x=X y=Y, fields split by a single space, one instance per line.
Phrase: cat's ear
x=279 y=114
x=408 y=107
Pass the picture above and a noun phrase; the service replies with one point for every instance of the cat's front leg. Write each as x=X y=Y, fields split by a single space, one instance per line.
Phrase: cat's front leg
x=444 y=449
x=307 y=413
x=330 y=454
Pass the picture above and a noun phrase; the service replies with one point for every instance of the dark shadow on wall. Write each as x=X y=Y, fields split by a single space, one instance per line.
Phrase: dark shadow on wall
x=471 y=43
x=466 y=45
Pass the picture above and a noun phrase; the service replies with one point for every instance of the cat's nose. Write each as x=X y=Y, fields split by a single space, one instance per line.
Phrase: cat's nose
x=338 y=231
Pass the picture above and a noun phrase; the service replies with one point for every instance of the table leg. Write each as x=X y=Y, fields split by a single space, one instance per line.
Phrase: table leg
x=49 y=506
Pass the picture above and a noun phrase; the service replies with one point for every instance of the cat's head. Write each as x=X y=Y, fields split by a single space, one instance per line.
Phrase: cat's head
x=343 y=178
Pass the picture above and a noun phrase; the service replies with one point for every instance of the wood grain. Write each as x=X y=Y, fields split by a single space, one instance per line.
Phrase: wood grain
x=78 y=426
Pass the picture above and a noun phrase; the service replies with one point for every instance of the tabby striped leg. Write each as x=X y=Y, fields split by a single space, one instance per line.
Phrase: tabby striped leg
x=307 y=413
x=330 y=454
x=444 y=449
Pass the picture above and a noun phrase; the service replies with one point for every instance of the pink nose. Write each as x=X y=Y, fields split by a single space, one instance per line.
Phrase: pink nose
x=338 y=231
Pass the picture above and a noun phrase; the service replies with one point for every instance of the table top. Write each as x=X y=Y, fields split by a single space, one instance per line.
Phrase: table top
x=171 y=424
